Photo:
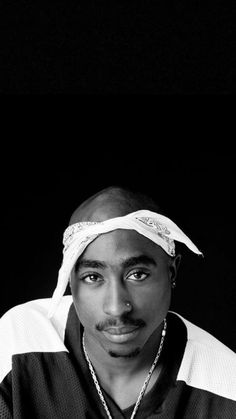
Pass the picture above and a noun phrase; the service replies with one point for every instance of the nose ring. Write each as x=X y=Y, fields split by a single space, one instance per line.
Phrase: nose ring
x=128 y=304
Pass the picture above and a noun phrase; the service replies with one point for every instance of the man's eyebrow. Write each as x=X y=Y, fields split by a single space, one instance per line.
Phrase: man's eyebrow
x=89 y=263
x=126 y=263
x=138 y=260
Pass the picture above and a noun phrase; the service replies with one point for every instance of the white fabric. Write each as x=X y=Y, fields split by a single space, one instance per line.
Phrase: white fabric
x=207 y=363
x=156 y=227
x=26 y=328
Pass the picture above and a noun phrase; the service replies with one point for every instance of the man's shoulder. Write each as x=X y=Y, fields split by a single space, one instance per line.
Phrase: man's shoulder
x=198 y=336
x=36 y=307
x=207 y=363
x=33 y=314
x=26 y=328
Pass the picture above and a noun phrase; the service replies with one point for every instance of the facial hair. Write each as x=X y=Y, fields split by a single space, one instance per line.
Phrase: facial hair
x=132 y=354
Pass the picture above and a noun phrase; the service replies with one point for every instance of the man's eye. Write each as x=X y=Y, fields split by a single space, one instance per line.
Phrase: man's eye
x=138 y=276
x=91 y=279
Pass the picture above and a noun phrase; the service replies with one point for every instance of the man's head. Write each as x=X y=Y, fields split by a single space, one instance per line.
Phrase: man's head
x=111 y=202
x=121 y=284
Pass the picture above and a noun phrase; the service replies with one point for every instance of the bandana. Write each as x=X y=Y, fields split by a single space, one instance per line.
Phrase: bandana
x=156 y=227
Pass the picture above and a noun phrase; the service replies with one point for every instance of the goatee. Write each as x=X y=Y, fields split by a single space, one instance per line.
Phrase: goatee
x=131 y=354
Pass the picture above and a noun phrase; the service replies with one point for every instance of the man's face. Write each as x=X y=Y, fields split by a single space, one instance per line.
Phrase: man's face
x=119 y=267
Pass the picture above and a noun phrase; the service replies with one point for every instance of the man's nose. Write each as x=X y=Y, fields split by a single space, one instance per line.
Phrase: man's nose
x=116 y=300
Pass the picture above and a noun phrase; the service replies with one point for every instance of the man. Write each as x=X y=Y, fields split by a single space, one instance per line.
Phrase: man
x=113 y=349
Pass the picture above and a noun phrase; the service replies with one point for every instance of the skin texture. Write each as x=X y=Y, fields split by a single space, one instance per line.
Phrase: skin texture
x=104 y=279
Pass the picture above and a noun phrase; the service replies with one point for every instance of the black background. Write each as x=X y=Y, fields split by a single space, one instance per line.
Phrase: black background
x=197 y=189
x=118 y=47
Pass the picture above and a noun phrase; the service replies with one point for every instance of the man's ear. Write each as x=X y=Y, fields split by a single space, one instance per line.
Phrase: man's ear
x=174 y=266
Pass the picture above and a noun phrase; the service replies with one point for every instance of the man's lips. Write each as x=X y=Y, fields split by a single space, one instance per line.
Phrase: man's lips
x=120 y=330
x=122 y=334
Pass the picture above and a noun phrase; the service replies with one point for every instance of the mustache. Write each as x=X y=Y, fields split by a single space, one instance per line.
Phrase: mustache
x=122 y=321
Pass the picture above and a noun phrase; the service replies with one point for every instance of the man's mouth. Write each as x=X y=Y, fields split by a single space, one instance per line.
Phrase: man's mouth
x=120 y=330
x=121 y=334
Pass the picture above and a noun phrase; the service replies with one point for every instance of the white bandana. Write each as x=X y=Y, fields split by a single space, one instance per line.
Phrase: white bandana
x=156 y=227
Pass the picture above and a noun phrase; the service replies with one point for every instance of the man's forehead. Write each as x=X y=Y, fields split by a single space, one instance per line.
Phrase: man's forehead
x=122 y=242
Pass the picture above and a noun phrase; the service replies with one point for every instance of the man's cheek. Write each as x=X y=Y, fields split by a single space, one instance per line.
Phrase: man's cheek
x=86 y=315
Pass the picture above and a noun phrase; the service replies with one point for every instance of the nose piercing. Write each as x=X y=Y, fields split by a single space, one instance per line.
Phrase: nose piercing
x=128 y=304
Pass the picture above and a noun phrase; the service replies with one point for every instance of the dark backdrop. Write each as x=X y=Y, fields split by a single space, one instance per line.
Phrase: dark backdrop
x=118 y=47
x=197 y=191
